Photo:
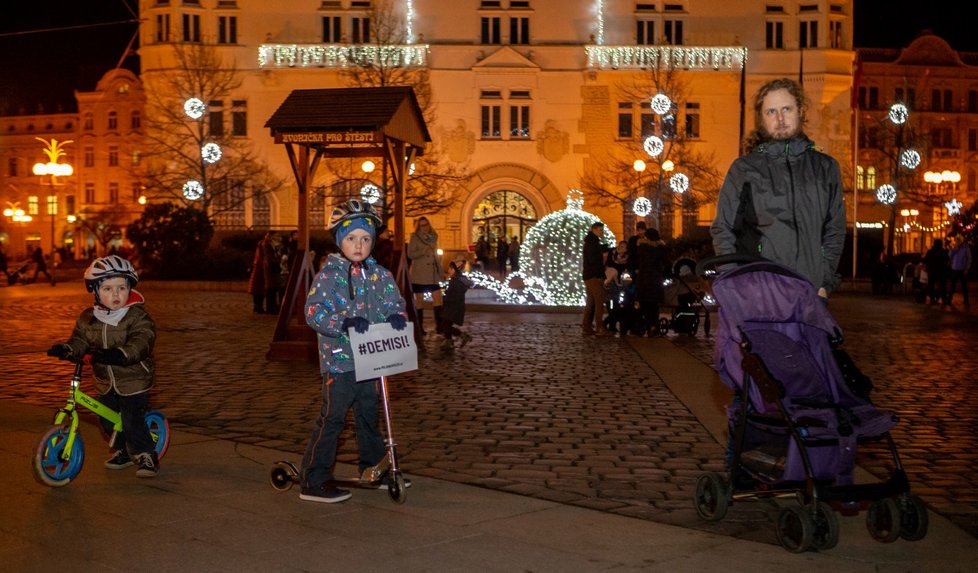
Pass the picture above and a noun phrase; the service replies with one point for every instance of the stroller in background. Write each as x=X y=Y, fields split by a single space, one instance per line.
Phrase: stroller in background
x=800 y=410
x=686 y=293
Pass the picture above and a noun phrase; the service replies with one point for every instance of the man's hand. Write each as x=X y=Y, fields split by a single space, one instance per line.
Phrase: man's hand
x=358 y=323
x=397 y=321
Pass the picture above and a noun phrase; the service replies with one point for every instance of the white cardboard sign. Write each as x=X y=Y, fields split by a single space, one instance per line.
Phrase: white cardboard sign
x=382 y=351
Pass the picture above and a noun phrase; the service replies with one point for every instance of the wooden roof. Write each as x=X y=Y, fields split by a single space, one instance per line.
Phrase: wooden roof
x=391 y=110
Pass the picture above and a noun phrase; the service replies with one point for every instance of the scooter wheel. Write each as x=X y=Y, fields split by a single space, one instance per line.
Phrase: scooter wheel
x=397 y=490
x=283 y=476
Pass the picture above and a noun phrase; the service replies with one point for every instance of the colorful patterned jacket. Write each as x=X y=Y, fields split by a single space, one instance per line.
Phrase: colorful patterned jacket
x=345 y=290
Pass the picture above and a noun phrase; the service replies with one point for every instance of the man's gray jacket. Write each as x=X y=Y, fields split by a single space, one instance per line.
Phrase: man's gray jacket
x=783 y=201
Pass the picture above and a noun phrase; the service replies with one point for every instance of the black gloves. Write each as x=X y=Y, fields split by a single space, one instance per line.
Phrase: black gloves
x=60 y=351
x=358 y=323
x=397 y=321
x=111 y=356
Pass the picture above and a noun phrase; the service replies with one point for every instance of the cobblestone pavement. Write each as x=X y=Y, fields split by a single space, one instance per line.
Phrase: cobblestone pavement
x=529 y=406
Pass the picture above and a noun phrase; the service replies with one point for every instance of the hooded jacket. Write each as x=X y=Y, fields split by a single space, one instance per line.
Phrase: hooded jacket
x=344 y=290
x=783 y=202
x=135 y=336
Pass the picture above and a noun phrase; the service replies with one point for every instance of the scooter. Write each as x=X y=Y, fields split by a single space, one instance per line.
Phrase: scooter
x=284 y=474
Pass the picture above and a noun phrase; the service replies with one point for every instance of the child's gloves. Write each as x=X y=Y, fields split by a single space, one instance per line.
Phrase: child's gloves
x=397 y=321
x=111 y=356
x=358 y=323
x=61 y=351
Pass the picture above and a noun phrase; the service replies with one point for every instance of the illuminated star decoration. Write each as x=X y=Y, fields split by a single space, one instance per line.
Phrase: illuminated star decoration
x=193 y=190
x=886 y=194
x=370 y=193
x=679 y=183
x=953 y=207
x=194 y=108
x=642 y=206
x=210 y=152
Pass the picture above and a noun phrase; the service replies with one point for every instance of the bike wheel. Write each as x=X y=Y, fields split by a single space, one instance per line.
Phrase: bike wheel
x=50 y=466
x=159 y=429
x=883 y=520
x=396 y=489
x=712 y=497
x=795 y=529
x=913 y=518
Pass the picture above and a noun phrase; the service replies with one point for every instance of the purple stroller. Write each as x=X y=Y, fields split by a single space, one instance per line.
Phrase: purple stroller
x=800 y=409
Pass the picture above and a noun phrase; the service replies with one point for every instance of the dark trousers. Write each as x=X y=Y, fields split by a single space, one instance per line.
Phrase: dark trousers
x=135 y=437
x=340 y=393
x=257 y=302
x=649 y=311
x=955 y=277
x=447 y=330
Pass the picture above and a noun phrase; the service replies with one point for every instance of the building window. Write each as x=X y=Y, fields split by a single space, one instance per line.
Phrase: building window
x=162 y=28
x=869 y=97
x=136 y=157
x=229 y=205
x=88 y=122
x=135 y=193
x=673 y=31
x=519 y=30
x=490 y=30
x=113 y=121
x=70 y=205
x=135 y=120
x=624 y=120
x=941 y=100
x=645 y=32
x=646 y=120
x=227 y=29
x=261 y=210
x=191 y=28
x=332 y=30
x=835 y=35
x=239 y=117
x=361 y=29
x=89 y=157
x=860 y=177
x=52 y=205
x=113 y=156
x=32 y=205
x=491 y=121
x=12 y=167
x=692 y=120
x=808 y=34
x=215 y=117
x=973 y=140
x=89 y=193
x=774 y=35
x=907 y=97
x=113 y=193
x=941 y=137
x=519 y=121
x=871 y=178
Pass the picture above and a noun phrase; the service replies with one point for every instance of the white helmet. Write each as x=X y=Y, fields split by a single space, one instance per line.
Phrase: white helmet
x=108 y=267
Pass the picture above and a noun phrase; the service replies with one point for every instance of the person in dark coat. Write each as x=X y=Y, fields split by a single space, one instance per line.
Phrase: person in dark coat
x=453 y=308
x=256 y=283
x=938 y=264
x=648 y=292
x=594 y=277
x=502 y=253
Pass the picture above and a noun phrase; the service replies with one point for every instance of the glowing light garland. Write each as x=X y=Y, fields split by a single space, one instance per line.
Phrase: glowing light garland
x=691 y=58
x=409 y=21
x=341 y=56
x=599 y=8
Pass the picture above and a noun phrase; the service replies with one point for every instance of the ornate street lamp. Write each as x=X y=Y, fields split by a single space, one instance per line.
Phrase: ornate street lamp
x=54 y=150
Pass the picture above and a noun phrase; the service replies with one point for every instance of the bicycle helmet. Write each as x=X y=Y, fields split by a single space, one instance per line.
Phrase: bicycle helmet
x=109 y=267
x=352 y=209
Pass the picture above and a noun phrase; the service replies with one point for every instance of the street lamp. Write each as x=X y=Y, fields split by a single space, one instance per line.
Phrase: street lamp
x=54 y=151
x=15 y=213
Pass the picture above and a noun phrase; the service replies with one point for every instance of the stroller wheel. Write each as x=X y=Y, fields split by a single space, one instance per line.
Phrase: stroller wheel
x=712 y=497
x=795 y=529
x=694 y=324
x=826 y=534
x=913 y=518
x=663 y=326
x=883 y=520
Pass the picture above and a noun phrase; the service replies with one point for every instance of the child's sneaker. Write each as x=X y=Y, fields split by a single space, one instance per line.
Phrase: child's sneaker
x=465 y=337
x=325 y=493
x=148 y=466
x=119 y=461
x=385 y=481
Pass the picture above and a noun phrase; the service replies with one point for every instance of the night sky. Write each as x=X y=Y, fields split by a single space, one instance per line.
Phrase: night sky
x=47 y=67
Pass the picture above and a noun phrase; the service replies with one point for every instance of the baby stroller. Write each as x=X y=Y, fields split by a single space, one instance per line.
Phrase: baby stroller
x=685 y=293
x=800 y=410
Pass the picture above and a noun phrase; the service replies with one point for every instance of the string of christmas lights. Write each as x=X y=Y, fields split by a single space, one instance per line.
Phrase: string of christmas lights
x=340 y=56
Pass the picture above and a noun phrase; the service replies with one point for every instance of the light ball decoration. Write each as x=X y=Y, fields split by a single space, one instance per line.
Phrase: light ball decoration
x=370 y=193
x=910 y=158
x=679 y=183
x=642 y=207
x=661 y=103
x=551 y=256
x=653 y=145
x=886 y=194
x=194 y=108
x=953 y=207
x=898 y=113
x=193 y=190
x=575 y=199
x=210 y=152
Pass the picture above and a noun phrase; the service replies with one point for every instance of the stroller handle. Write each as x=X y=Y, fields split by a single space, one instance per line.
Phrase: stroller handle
x=714 y=263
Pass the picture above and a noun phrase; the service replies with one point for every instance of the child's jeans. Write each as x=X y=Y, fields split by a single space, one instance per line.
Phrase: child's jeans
x=340 y=393
x=134 y=436
x=447 y=330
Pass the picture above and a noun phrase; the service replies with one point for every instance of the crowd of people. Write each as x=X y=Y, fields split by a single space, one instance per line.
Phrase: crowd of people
x=493 y=256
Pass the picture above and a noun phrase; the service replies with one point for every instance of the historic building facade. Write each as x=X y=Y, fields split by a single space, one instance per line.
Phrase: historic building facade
x=533 y=98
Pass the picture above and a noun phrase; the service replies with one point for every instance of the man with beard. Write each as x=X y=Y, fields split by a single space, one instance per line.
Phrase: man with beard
x=783 y=200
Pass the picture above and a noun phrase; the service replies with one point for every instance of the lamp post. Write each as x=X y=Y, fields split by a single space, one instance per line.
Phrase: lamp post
x=53 y=169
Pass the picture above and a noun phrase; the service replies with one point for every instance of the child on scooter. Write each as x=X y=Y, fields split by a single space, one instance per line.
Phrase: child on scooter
x=119 y=334
x=351 y=291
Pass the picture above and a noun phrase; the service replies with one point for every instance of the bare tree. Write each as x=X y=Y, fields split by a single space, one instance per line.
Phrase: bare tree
x=435 y=182
x=104 y=224
x=174 y=151
x=613 y=179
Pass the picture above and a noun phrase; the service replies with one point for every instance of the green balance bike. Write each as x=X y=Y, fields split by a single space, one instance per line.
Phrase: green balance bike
x=60 y=453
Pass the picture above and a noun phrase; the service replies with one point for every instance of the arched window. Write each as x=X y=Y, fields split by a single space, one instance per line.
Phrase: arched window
x=502 y=214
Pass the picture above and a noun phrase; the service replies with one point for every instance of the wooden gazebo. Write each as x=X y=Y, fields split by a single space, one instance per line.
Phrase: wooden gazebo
x=385 y=123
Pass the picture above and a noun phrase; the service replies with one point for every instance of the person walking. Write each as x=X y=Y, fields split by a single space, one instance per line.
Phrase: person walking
x=960 y=267
x=938 y=265
x=40 y=265
x=592 y=322
x=453 y=314
x=425 y=271
x=782 y=200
